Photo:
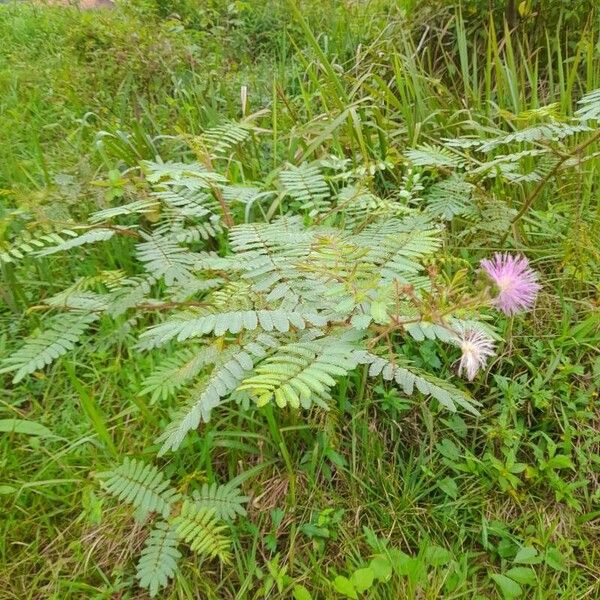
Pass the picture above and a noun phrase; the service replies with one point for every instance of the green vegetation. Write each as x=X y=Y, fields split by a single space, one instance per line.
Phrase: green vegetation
x=240 y=249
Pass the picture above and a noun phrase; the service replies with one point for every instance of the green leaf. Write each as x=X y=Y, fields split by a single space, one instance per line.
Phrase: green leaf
x=587 y=517
x=345 y=587
x=555 y=559
x=381 y=567
x=314 y=531
x=144 y=486
x=412 y=567
x=379 y=312
x=411 y=378
x=204 y=533
x=335 y=457
x=402 y=563
x=508 y=587
x=24 y=427
x=158 y=559
x=525 y=575
x=437 y=556
x=448 y=486
x=61 y=335
x=226 y=500
x=301 y=593
x=363 y=579
x=527 y=556
x=448 y=449
x=561 y=461
x=505 y=548
x=361 y=321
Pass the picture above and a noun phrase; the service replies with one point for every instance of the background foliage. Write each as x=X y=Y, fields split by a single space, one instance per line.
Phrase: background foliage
x=383 y=496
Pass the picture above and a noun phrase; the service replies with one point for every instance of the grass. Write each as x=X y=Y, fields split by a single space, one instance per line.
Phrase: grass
x=82 y=105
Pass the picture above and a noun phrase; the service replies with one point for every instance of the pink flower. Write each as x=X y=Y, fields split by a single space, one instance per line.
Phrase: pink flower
x=476 y=349
x=516 y=282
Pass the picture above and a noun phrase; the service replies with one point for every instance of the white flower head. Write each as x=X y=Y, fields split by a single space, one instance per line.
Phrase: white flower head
x=476 y=348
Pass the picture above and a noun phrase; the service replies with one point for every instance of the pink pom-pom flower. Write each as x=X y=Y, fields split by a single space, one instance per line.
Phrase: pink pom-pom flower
x=516 y=282
x=476 y=348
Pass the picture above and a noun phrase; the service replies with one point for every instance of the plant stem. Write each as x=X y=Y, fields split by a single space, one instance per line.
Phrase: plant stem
x=540 y=186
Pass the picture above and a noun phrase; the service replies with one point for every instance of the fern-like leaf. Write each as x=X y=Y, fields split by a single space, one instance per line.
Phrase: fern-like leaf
x=158 y=559
x=198 y=526
x=223 y=138
x=224 y=378
x=508 y=166
x=185 y=202
x=177 y=371
x=397 y=255
x=143 y=486
x=409 y=377
x=226 y=501
x=245 y=194
x=189 y=325
x=63 y=332
x=431 y=331
x=545 y=132
x=89 y=237
x=131 y=291
x=195 y=233
x=138 y=207
x=30 y=243
x=268 y=255
x=450 y=198
x=76 y=300
x=589 y=106
x=428 y=155
x=193 y=175
x=163 y=257
x=300 y=373
x=306 y=185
